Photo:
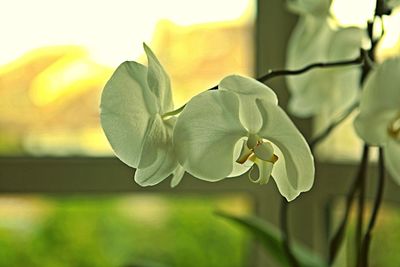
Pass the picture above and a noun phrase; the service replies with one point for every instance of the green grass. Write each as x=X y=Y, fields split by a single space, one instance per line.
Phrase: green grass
x=120 y=231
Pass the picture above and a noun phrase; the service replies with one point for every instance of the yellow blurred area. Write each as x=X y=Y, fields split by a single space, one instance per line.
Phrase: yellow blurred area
x=70 y=75
x=198 y=57
x=49 y=97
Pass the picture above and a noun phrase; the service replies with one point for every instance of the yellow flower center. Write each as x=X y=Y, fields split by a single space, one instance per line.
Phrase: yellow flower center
x=394 y=128
x=262 y=154
x=259 y=151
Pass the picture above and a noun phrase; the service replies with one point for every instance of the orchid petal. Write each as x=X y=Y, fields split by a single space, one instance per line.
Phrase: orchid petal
x=159 y=82
x=241 y=154
x=157 y=138
x=373 y=127
x=306 y=45
x=206 y=133
x=381 y=89
x=296 y=163
x=246 y=86
x=264 y=151
x=328 y=90
x=248 y=89
x=264 y=172
x=177 y=175
x=126 y=107
x=160 y=169
x=280 y=177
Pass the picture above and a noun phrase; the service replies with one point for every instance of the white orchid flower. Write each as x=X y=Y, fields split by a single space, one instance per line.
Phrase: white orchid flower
x=224 y=132
x=329 y=91
x=133 y=103
x=378 y=122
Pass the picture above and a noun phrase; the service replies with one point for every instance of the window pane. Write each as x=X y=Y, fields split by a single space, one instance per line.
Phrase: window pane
x=121 y=230
x=57 y=56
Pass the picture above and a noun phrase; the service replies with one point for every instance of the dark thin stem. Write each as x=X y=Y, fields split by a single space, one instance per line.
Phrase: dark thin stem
x=362 y=58
x=272 y=74
x=363 y=243
x=276 y=73
x=360 y=215
x=363 y=262
x=285 y=234
x=332 y=126
x=337 y=238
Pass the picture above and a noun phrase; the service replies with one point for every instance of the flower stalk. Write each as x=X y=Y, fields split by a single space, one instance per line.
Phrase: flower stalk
x=285 y=234
x=363 y=259
x=337 y=238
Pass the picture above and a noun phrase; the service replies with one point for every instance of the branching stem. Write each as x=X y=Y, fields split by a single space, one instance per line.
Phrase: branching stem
x=275 y=73
x=314 y=141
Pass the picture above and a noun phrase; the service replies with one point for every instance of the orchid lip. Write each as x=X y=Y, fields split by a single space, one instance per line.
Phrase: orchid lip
x=257 y=149
x=262 y=154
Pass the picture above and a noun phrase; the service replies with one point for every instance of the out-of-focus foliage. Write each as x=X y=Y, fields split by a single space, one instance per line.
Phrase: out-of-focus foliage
x=271 y=238
x=385 y=242
x=120 y=231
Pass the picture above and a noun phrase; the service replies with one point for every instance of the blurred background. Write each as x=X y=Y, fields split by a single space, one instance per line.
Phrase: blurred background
x=55 y=58
x=65 y=201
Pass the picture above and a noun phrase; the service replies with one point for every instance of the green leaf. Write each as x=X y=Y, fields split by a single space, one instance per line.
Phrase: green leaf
x=271 y=239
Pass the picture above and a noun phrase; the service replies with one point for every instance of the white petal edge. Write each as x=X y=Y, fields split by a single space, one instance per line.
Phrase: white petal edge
x=159 y=170
x=125 y=110
x=248 y=90
x=177 y=176
x=372 y=127
x=159 y=81
x=247 y=86
x=296 y=164
x=381 y=88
